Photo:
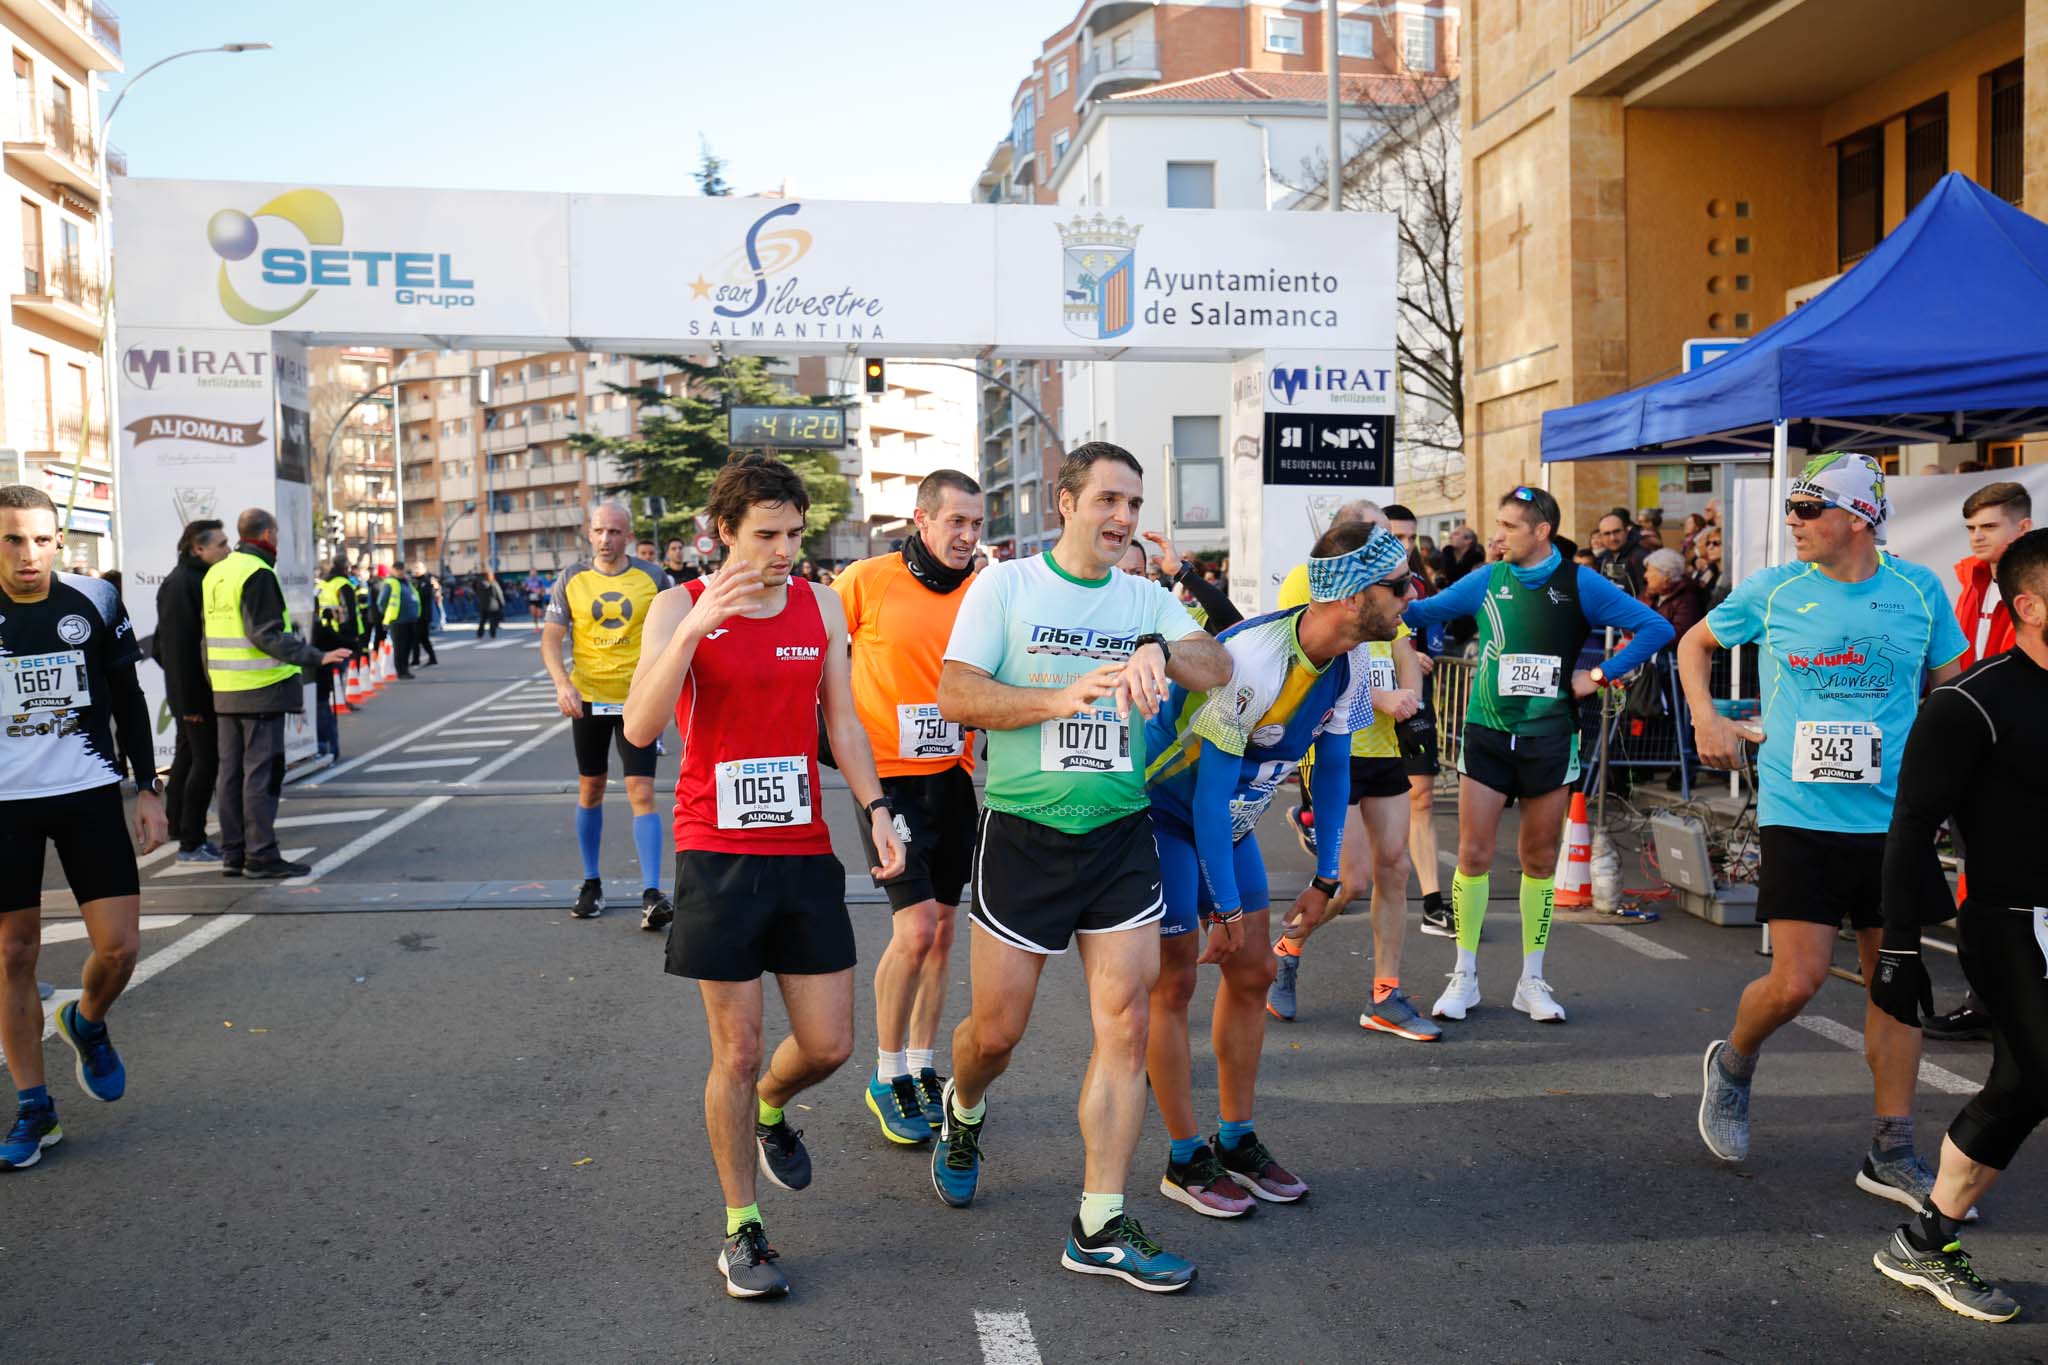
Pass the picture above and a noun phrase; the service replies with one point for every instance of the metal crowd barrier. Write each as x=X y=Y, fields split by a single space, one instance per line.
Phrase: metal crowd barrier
x=1451 y=684
x=1647 y=726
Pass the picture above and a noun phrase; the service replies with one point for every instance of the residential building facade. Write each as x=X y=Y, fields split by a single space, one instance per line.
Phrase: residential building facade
x=923 y=421
x=355 y=468
x=53 y=409
x=1641 y=175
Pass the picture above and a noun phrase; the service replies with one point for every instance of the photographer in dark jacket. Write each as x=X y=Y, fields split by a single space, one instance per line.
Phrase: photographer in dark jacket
x=179 y=649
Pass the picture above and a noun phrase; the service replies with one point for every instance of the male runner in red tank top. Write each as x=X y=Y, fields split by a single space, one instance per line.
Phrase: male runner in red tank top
x=742 y=660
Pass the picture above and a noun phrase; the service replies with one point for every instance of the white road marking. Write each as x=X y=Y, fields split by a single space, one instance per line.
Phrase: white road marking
x=1948 y=948
x=1629 y=938
x=453 y=644
x=70 y=930
x=524 y=727
x=502 y=644
x=420 y=763
x=332 y=817
x=1006 y=1338
x=1939 y=1077
x=195 y=869
x=366 y=840
x=485 y=743
x=510 y=755
x=156 y=962
x=405 y=739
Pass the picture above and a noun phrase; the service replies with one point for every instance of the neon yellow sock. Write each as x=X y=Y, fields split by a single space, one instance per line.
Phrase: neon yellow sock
x=1097 y=1210
x=736 y=1218
x=770 y=1115
x=1468 y=908
x=1539 y=895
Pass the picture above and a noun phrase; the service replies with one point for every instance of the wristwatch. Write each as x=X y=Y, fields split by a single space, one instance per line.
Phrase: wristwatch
x=880 y=803
x=1165 y=652
x=1598 y=675
x=1324 y=885
x=155 y=787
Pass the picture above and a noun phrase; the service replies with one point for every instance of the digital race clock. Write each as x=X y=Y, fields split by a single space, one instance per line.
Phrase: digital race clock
x=788 y=427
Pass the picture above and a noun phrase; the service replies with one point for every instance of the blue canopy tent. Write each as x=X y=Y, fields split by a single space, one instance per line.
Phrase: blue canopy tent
x=1938 y=335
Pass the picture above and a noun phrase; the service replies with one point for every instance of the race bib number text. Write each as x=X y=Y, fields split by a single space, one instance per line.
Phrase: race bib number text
x=1093 y=741
x=44 y=682
x=764 y=793
x=1837 y=751
x=921 y=732
x=1530 y=675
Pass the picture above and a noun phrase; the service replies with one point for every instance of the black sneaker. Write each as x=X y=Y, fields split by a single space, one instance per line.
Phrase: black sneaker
x=228 y=869
x=748 y=1264
x=783 y=1158
x=930 y=1086
x=1438 y=921
x=655 y=911
x=271 y=869
x=1946 y=1274
x=589 y=899
x=1963 y=1024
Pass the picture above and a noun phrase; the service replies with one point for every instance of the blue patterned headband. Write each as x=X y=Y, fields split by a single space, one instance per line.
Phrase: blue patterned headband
x=1340 y=576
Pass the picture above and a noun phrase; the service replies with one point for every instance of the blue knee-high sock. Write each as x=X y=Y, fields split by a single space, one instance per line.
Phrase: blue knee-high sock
x=589 y=836
x=647 y=842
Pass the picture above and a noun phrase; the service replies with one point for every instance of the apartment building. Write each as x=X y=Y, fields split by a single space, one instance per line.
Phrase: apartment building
x=355 y=468
x=1266 y=56
x=924 y=421
x=1640 y=175
x=52 y=392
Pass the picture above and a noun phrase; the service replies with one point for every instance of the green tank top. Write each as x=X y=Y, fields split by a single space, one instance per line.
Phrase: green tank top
x=1529 y=643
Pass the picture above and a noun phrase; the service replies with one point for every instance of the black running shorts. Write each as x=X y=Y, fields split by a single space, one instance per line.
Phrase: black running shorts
x=593 y=735
x=1822 y=876
x=1036 y=887
x=1524 y=766
x=1377 y=777
x=90 y=830
x=739 y=915
x=935 y=818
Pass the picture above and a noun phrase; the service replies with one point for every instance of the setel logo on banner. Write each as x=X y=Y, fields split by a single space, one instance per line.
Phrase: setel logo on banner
x=306 y=253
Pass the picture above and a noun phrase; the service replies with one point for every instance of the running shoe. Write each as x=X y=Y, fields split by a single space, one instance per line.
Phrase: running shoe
x=898 y=1107
x=956 y=1155
x=35 y=1127
x=230 y=869
x=99 y=1071
x=1256 y=1170
x=1946 y=1274
x=1724 y=1108
x=930 y=1086
x=1907 y=1182
x=1204 y=1186
x=1533 y=998
x=206 y=852
x=748 y=1264
x=783 y=1158
x=273 y=869
x=1304 y=824
x=1398 y=1016
x=1458 y=997
x=1438 y=921
x=655 y=911
x=1123 y=1250
x=1963 y=1024
x=1280 y=995
x=589 y=899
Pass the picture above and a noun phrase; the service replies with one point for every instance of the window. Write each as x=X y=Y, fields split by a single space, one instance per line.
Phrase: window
x=1926 y=148
x=31 y=247
x=1859 y=195
x=1122 y=48
x=2008 y=124
x=39 y=401
x=1027 y=499
x=1283 y=34
x=1058 y=77
x=1191 y=184
x=1418 y=44
x=1197 y=472
x=1059 y=147
x=1354 y=37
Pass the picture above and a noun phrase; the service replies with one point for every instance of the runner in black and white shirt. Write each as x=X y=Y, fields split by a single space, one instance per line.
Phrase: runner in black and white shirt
x=67 y=683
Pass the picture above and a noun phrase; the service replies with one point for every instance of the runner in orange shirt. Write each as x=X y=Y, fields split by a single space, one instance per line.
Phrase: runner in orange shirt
x=899 y=615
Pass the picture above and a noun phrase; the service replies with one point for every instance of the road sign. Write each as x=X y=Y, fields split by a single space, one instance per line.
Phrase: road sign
x=703 y=522
x=706 y=545
x=1700 y=350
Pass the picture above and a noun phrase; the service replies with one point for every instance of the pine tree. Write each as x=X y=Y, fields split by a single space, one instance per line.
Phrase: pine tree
x=681 y=443
x=710 y=172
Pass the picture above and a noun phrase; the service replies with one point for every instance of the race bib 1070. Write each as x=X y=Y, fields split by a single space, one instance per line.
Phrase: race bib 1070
x=1091 y=741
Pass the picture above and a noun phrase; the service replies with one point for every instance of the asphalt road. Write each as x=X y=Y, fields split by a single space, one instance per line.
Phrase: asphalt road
x=410 y=1110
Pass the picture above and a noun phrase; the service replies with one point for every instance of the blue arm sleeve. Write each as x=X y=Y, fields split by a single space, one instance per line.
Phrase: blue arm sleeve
x=1330 y=789
x=1607 y=605
x=1216 y=775
x=1462 y=598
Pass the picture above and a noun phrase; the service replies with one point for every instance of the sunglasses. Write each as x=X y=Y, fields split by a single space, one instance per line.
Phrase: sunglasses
x=1398 y=585
x=1806 y=511
x=1524 y=493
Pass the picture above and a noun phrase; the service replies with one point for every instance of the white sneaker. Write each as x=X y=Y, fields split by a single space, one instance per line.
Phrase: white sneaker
x=1533 y=998
x=1461 y=995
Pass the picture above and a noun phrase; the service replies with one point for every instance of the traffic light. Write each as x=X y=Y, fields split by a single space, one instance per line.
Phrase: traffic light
x=877 y=378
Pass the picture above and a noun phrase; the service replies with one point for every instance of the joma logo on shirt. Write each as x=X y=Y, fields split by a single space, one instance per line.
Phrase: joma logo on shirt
x=796 y=651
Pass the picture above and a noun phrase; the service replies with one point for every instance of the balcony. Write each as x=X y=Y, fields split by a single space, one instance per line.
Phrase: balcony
x=69 y=296
x=568 y=515
x=1000 y=527
x=533 y=390
x=1101 y=16
x=88 y=32
x=51 y=140
x=540 y=476
x=416 y=410
x=1117 y=68
x=530 y=433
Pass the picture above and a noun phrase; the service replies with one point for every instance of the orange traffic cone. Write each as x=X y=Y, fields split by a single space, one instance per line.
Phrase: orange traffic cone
x=338 y=692
x=1575 y=878
x=386 y=664
x=356 y=695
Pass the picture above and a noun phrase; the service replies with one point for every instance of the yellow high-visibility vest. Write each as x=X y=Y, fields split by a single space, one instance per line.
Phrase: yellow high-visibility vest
x=233 y=663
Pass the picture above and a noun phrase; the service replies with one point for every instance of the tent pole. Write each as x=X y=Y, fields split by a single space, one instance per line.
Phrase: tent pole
x=1774 y=543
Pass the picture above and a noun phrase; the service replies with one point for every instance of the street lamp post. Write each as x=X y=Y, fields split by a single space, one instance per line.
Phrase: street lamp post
x=109 y=352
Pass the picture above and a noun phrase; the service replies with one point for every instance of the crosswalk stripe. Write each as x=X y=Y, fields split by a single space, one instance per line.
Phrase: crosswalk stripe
x=501 y=644
x=195 y=869
x=422 y=763
x=327 y=817
x=461 y=744
x=494 y=729
x=157 y=961
x=71 y=930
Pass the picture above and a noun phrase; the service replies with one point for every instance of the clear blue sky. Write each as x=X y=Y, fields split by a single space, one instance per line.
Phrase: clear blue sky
x=847 y=100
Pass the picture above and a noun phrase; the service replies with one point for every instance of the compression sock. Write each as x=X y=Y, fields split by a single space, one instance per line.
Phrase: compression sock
x=589 y=837
x=1184 y=1149
x=890 y=1065
x=1538 y=896
x=769 y=1114
x=1288 y=947
x=1098 y=1211
x=972 y=1113
x=1933 y=1229
x=917 y=1059
x=1891 y=1135
x=1384 y=986
x=82 y=1028
x=1468 y=912
x=1734 y=1065
x=735 y=1219
x=37 y=1096
x=1433 y=902
x=1230 y=1133
x=647 y=843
